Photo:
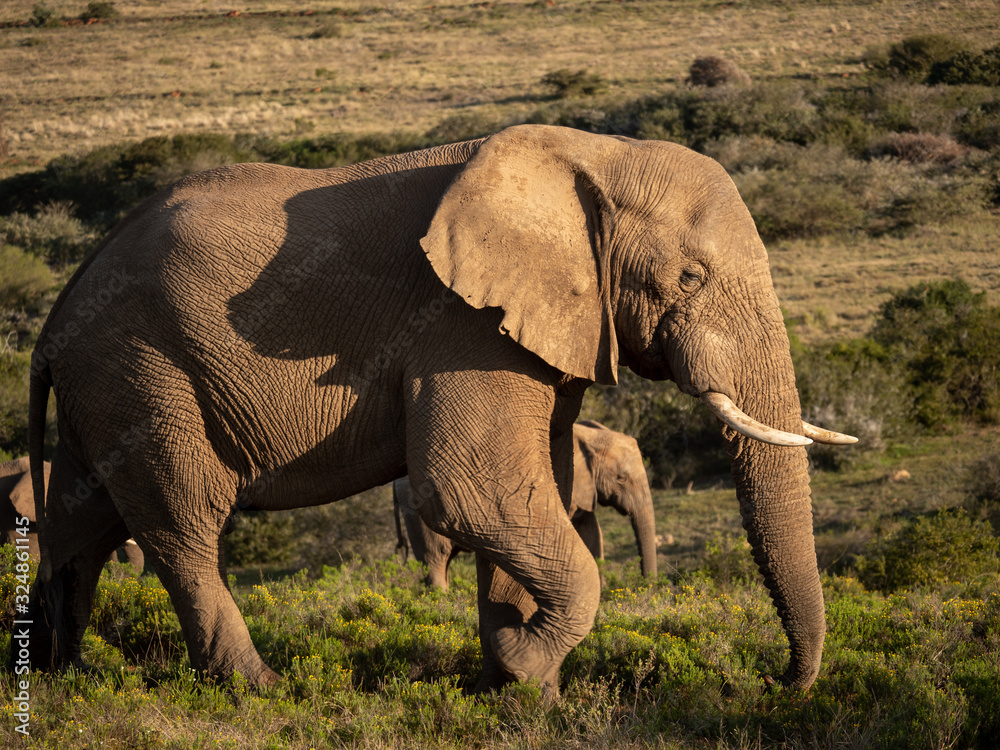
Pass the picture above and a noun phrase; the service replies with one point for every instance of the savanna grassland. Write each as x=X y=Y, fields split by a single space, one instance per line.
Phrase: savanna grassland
x=865 y=139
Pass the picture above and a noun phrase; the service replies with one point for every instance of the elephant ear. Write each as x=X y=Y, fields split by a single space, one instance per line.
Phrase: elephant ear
x=22 y=497
x=526 y=227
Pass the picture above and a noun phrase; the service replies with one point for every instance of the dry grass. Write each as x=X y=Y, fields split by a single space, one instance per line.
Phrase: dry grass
x=184 y=65
x=832 y=288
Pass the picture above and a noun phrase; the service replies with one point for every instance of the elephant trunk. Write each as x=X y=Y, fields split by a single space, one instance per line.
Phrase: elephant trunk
x=777 y=514
x=772 y=485
x=644 y=527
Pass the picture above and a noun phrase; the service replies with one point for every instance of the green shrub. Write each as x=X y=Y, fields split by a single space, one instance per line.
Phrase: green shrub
x=968 y=67
x=913 y=57
x=947 y=338
x=99 y=11
x=728 y=560
x=983 y=482
x=570 y=84
x=13 y=399
x=945 y=547
x=42 y=15
x=786 y=203
x=854 y=387
x=979 y=125
x=53 y=233
x=260 y=539
x=23 y=278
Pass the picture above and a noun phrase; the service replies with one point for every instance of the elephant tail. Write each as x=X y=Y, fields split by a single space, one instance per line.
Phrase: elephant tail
x=48 y=588
x=38 y=403
x=401 y=542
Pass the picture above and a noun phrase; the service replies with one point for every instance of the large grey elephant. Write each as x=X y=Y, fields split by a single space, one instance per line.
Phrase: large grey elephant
x=251 y=335
x=17 y=499
x=607 y=470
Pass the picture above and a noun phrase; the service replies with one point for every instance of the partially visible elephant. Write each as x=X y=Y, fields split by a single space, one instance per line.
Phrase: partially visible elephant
x=251 y=335
x=607 y=470
x=17 y=499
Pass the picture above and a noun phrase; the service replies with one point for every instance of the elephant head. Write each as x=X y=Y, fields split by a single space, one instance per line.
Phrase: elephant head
x=608 y=471
x=17 y=499
x=605 y=251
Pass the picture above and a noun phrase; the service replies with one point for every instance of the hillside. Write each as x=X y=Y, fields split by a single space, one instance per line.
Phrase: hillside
x=877 y=190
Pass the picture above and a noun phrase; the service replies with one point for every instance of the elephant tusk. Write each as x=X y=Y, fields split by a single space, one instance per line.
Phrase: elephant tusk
x=827 y=436
x=724 y=408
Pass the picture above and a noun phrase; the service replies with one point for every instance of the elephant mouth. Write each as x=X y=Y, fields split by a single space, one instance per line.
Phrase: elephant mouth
x=729 y=414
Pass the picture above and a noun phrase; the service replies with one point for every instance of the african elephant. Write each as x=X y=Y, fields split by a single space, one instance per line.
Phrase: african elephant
x=17 y=499
x=252 y=334
x=607 y=470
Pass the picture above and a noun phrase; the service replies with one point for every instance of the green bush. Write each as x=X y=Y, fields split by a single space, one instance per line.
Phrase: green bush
x=947 y=338
x=42 y=15
x=23 y=278
x=13 y=400
x=853 y=387
x=101 y=10
x=569 y=84
x=260 y=539
x=979 y=126
x=968 y=67
x=945 y=547
x=913 y=57
x=983 y=482
x=53 y=233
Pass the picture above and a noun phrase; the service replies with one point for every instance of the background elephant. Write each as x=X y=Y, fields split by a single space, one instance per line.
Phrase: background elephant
x=251 y=335
x=17 y=499
x=607 y=470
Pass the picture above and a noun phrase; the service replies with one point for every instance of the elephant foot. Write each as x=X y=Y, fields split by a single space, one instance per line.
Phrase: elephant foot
x=522 y=657
x=492 y=679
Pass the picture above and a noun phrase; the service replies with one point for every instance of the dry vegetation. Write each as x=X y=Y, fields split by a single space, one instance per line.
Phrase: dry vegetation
x=287 y=69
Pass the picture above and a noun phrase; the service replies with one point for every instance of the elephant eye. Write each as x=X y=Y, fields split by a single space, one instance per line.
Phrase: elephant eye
x=691 y=278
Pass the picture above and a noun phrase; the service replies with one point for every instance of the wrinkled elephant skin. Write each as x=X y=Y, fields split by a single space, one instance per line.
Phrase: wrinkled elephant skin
x=607 y=470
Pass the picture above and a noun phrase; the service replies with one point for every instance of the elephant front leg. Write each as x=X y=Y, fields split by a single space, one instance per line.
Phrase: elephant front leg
x=487 y=482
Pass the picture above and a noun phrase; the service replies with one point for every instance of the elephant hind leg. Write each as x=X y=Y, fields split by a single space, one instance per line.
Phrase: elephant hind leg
x=178 y=525
x=80 y=529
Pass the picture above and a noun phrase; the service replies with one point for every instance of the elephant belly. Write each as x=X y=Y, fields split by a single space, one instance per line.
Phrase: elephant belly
x=317 y=443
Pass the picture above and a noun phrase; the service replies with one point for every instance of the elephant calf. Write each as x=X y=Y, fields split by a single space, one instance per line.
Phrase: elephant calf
x=16 y=499
x=607 y=470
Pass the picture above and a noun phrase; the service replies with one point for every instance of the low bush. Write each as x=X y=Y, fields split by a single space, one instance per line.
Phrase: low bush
x=854 y=387
x=918 y=148
x=983 y=483
x=42 y=16
x=99 y=11
x=53 y=233
x=569 y=84
x=913 y=57
x=716 y=71
x=968 y=67
x=14 y=367
x=23 y=278
x=946 y=336
x=932 y=550
x=260 y=538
